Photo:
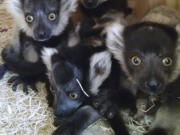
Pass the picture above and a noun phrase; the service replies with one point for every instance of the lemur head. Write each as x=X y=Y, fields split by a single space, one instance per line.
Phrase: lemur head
x=92 y=3
x=41 y=19
x=148 y=53
x=70 y=81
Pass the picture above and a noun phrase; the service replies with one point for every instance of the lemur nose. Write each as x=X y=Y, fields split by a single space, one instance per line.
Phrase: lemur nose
x=42 y=34
x=153 y=85
x=89 y=1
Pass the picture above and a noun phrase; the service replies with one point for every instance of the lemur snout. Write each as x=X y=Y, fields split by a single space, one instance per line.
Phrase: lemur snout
x=153 y=85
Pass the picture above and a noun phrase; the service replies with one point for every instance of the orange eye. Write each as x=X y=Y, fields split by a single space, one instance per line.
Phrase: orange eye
x=136 y=60
x=167 y=61
x=73 y=95
x=52 y=16
x=29 y=18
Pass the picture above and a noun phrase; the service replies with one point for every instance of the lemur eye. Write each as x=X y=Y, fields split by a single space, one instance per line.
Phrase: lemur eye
x=73 y=95
x=167 y=61
x=52 y=16
x=136 y=60
x=29 y=18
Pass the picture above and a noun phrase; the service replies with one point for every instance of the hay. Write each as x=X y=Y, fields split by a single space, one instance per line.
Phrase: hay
x=24 y=114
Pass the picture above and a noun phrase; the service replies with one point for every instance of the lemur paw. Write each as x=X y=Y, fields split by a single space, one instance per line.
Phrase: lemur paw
x=58 y=121
x=2 y=71
x=106 y=107
x=157 y=131
x=17 y=80
x=62 y=131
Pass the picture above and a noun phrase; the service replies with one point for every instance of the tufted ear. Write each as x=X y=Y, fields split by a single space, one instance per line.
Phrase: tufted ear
x=115 y=43
x=100 y=68
x=114 y=40
x=176 y=71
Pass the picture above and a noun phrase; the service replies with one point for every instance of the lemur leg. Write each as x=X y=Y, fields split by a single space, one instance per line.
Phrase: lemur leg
x=3 y=70
x=28 y=73
x=50 y=96
x=107 y=101
x=80 y=120
x=108 y=105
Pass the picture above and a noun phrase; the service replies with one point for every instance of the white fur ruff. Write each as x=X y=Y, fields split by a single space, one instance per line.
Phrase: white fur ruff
x=102 y=61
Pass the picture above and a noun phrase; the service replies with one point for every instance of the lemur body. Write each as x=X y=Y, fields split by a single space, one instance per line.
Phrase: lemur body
x=22 y=55
x=96 y=72
x=149 y=56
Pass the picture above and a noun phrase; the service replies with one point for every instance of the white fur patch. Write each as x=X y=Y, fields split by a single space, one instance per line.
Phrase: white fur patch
x=103 y=62
x=115 y=43
x=74 y=37
x=14 y=8
x=176 y=71
x=47 y=54
x=30 y=54
x=67 y=7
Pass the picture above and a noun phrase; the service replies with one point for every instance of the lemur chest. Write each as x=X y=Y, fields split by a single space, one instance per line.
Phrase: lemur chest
x=30 y=54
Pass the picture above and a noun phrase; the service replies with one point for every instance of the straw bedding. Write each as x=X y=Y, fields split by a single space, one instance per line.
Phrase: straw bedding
x=22 y=114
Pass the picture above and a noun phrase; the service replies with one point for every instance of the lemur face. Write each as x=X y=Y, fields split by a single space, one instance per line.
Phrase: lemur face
x=68 y=96
x=66 y=81
x=42 y=16
x=150 y=56
x=41 y=19
x=92 y=3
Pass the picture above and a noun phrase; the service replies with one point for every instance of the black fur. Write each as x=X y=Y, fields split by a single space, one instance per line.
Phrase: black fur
x=73 y=65
x=97 y=8
x=80 y=120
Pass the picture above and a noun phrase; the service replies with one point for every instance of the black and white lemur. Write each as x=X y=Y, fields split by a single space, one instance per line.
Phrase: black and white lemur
x=21 y=56
x=149 y=56
x=74 y=79
x=38 y=23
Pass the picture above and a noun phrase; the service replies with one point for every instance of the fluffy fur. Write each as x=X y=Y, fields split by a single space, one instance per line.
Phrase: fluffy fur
x=98 y=73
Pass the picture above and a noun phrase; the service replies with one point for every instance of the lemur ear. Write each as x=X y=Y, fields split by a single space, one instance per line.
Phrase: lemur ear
x=114 y=40
x=100 y=68
x=176 y=71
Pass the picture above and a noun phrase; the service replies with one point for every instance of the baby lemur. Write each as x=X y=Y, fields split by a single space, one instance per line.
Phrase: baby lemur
x=77 y=80
x=148 y=54
x=38 y=23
